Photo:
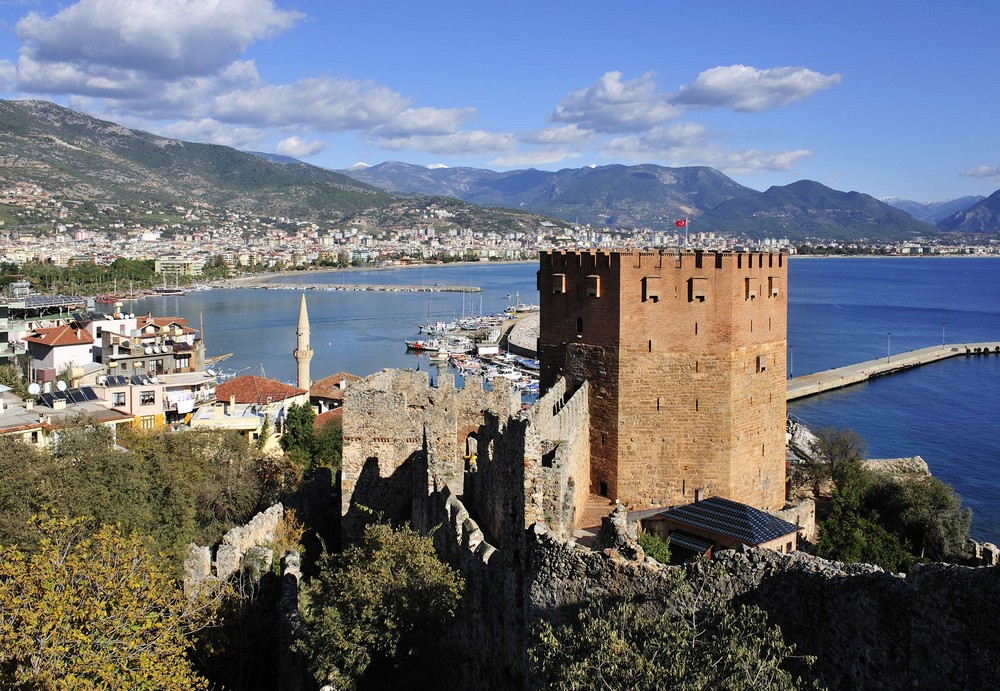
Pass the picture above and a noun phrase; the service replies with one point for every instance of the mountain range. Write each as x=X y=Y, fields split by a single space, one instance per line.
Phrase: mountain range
x=75 y=156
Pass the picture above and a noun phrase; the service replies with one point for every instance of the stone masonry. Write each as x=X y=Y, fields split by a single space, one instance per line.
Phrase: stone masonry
x=685 y=356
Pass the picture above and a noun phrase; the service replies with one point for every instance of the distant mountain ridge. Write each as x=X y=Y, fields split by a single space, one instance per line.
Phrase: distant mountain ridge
x=615 y=195
x=933 y=212
x=982 y=217
x=655 y=197
x=808 y=209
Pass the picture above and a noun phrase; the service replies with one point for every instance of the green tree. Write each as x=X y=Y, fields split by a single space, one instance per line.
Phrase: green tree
x=830 y=447
x=327 y=445
x=298 y=431
x=926 y=512
x=622 y=645
x=855 y=532
x=654 y=546
x=93 y=610
x=377 y=610
x=11 y=376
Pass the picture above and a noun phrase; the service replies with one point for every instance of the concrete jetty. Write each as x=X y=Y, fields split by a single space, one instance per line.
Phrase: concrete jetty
x=818 y=382
x=381 y=288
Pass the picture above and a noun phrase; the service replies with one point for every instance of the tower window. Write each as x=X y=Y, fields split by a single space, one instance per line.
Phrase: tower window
x=594 y=286
x=750 y=289
x=762 y=363
x=579 y=325
x=697 y=288
x=773 y=283
x=650 y=288
x=558 y=283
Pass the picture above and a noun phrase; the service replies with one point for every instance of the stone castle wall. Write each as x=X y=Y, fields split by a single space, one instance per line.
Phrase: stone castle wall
x=698 y=342
x=934 y=628
x=390 y=417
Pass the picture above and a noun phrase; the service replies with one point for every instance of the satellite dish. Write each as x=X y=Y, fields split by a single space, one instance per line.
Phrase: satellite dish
x=61 y=385
x=34 y=389
x=148 y=350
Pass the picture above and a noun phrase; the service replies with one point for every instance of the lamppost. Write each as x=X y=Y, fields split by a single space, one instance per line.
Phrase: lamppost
x=888 y=345
x=791 y=362
x=942 y=334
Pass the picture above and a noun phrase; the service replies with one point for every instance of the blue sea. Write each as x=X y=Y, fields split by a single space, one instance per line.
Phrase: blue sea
x=841 y=310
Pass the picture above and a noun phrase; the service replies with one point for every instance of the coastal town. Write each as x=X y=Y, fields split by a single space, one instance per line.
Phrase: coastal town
x=36 y=226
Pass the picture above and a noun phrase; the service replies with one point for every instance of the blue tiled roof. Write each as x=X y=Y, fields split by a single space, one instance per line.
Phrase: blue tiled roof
x=691 y=542
x=732 y=519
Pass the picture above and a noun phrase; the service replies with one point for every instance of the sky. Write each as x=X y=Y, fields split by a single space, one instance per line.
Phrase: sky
x=890 y=98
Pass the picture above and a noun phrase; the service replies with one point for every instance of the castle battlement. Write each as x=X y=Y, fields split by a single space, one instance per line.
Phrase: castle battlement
x=685 y=355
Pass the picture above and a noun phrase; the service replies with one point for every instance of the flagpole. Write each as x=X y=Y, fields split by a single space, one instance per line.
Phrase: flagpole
x=687 y=222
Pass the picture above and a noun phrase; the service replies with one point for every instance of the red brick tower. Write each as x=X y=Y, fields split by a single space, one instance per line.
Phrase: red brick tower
x=685 y=355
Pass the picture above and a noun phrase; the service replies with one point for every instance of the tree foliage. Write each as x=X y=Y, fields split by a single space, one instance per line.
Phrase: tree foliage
x=621 y=645
x=176 y=488
x=654 y=546
x=377 y=610
x=830 y=447
x=93 y=610
x=891 y=521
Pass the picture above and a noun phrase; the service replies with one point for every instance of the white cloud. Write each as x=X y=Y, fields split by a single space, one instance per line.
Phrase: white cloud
x=166 y=39
x=563 y=134
x=299 y=148
x=213 y=132
x=469 y=143
x=8 y=76
x=611 y=105
x=324 y=103
x=987 y=172
x=425 y=121
x=535 y=158
x=751 y=90
x=690 y=144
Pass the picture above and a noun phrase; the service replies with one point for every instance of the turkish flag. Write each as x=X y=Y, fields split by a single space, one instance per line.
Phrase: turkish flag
x=680 y=224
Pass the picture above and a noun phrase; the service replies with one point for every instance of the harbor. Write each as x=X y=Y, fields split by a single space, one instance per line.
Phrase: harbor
x=358 y=287
x=839 y=377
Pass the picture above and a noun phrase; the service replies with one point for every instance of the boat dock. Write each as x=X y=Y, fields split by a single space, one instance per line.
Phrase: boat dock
x=381 y=288
x=818 y=382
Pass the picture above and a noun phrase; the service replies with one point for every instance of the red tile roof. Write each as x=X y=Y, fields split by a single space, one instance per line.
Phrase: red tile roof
x=328 y=416
x=329 y=387
x=250 y=390
x=56 y=336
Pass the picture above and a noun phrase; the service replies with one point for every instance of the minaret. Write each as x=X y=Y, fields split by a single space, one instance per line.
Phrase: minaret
x=303 y=353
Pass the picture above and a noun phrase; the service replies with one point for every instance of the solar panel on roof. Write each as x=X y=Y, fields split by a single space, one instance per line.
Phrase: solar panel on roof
x=89 y=393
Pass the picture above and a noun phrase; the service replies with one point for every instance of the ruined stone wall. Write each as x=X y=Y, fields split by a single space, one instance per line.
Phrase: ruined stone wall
x=698 y=342
x=562 y=425
x=933 y=629
x=389 y=417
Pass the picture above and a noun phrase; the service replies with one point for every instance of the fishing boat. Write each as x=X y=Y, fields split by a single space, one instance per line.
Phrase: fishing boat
x=420 y=345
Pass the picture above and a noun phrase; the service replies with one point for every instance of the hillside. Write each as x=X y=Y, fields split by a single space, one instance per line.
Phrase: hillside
x=807 y=209
x=983 y=217
x=615 y=195
x=933 y=212
x=75 y=156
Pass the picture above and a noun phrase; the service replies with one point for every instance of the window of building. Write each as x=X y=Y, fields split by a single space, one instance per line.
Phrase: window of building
x=147 y=422
x=773 y=283
x=579 y=325
x=147 y=397
x=182 y=361
x=650 y=288
x=558 y=283
x=118 y=399
x=761 y=363
x=594 y=286
x=697 y=288
x=750 y=289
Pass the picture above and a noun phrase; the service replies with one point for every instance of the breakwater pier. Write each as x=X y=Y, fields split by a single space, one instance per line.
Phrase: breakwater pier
x=818 y=382
x=372 y=287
